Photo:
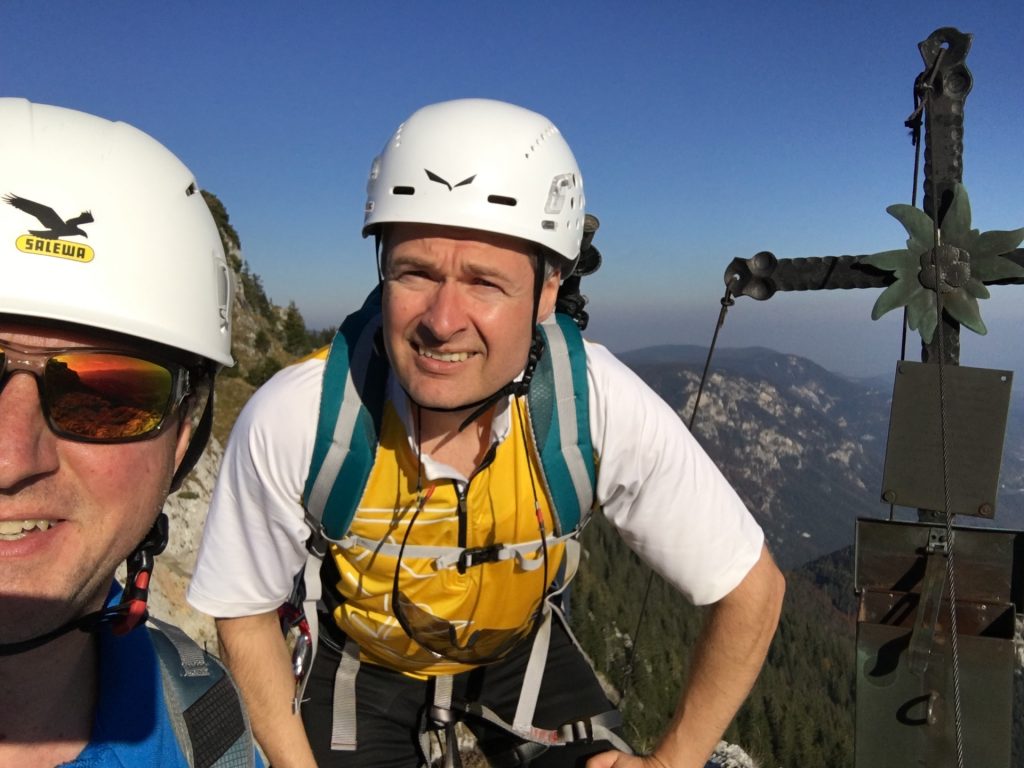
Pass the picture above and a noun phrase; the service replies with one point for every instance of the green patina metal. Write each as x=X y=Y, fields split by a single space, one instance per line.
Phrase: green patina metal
x=958 y=267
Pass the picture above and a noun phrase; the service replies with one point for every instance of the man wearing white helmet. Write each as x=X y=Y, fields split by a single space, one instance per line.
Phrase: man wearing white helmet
x=114 y=318
x=441 y=459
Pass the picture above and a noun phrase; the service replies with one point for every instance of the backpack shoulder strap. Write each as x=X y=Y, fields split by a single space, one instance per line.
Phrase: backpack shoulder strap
x=351 y=407
x=205 y=708
x=352 y=403
x=558 y=403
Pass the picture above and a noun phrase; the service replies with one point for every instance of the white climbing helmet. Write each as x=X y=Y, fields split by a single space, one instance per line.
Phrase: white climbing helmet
x=101 y=226
x=484 y=165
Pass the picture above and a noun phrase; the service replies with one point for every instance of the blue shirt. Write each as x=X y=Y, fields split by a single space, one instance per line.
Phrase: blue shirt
x=132 y=727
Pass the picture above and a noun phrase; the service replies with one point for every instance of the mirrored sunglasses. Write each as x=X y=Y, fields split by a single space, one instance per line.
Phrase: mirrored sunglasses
x=470 y=646
x=99 y=395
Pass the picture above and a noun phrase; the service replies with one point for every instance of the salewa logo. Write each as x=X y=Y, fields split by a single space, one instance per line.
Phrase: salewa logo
x=434 y=177
x=48 y=241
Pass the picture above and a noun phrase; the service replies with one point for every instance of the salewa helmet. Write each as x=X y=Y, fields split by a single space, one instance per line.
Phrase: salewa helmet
x=101 y=226
x=485 y=165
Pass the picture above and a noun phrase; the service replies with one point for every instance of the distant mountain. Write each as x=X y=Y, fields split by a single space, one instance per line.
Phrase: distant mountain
x=804 y=447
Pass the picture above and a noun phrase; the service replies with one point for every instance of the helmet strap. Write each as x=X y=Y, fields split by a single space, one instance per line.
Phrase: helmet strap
x=377 y=241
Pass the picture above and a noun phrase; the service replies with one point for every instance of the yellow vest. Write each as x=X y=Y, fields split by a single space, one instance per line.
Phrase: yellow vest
x=498 y=506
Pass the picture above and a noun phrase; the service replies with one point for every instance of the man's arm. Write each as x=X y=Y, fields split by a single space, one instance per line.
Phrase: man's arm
x=255 y=652
x=726 y=661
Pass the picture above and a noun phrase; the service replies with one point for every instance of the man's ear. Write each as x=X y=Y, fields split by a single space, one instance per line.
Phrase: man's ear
x=548 y=296
x=183 y=440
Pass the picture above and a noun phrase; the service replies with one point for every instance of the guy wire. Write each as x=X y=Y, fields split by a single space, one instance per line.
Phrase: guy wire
x=726 y=301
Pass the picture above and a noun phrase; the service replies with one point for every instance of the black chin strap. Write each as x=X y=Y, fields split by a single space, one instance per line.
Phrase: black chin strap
x=130 y=610
x=515 y=388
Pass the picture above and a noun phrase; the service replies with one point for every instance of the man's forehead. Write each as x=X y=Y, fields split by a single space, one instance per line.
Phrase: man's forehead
x=398 y=234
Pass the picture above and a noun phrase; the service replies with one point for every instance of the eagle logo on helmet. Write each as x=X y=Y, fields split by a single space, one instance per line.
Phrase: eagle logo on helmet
x=434 y=177
x=48 y=217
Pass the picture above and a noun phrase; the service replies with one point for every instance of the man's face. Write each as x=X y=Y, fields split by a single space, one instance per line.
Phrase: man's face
x=97 y=501
x=458 y=309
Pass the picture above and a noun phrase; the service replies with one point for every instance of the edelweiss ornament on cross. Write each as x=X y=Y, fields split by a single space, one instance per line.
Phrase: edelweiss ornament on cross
x=959 y=265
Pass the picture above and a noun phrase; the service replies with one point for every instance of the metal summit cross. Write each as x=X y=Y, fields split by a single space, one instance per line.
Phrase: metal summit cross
x=936 y=603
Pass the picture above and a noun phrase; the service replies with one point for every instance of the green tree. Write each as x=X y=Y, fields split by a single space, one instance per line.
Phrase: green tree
x=228 y=234
x=296 y=339
x=262 y=342
x=252 y=289
x=262 y=371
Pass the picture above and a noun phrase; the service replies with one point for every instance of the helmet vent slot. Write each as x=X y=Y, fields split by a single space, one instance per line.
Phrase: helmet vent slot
x=403 y=190
x=547 y=224
x=501 y=200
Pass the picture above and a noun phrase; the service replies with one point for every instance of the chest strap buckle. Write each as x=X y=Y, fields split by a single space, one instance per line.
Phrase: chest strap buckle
x=478 y=556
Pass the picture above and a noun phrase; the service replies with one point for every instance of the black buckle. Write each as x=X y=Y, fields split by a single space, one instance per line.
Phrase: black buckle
x=478 y=556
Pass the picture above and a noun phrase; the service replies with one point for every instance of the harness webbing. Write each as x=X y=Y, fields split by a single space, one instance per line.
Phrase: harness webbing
x=560 y=420
x=349 y=422
x=343 y=728
x=352 y=404
x=204 y=706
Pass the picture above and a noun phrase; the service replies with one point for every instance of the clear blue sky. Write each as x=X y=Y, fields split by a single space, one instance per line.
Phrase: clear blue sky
x=705 y=131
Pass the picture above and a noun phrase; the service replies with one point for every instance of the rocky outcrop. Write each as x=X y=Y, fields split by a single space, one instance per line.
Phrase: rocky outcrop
x=730 y=756
x=186 y=511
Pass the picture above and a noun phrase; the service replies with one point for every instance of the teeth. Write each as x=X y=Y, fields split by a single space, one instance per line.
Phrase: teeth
x=450 y=357
x=12 y=530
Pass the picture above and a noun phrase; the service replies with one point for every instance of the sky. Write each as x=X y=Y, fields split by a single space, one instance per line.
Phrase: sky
x=705 y=132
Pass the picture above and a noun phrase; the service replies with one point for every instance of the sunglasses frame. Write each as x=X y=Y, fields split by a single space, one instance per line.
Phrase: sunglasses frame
x=34 y=362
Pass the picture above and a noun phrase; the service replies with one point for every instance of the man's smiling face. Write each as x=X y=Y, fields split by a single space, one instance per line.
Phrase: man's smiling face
x=70 y=512
x=458 y=311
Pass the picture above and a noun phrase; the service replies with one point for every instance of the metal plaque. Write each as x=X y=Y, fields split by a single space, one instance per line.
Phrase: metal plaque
x=977 y=401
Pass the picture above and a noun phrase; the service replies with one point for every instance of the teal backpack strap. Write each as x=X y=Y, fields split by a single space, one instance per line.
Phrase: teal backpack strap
x=558 y=402
x=351 y=408
x=205 y=708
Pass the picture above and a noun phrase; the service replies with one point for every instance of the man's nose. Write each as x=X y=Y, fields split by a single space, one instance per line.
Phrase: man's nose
x=27 y=445
x=446 y=315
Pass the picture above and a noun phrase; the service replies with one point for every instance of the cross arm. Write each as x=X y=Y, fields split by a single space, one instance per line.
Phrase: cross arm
x=762 y=275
